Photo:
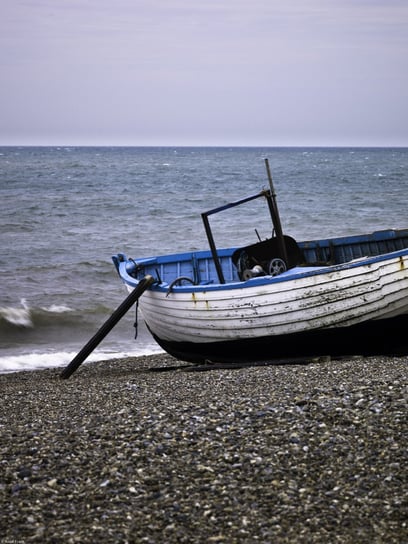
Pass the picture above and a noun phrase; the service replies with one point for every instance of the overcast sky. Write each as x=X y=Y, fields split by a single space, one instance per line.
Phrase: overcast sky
x=209 y=72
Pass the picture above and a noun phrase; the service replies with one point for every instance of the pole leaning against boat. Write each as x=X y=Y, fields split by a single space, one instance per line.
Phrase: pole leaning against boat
x=120 y=311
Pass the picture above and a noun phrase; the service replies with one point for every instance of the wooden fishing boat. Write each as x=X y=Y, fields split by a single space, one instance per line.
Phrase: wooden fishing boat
x=276 y=298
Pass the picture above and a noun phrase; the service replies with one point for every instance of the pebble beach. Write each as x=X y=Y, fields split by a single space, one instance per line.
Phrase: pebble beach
x=151 y=450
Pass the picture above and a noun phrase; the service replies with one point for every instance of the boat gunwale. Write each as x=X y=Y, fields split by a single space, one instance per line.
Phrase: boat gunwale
x=260 y=281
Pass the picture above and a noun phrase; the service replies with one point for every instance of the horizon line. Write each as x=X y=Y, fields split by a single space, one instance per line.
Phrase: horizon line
x=237 y=146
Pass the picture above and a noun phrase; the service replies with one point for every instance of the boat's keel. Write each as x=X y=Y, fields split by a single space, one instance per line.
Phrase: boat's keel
x=382 y=337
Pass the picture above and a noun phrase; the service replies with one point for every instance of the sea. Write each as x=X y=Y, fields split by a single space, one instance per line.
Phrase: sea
x=66 y=210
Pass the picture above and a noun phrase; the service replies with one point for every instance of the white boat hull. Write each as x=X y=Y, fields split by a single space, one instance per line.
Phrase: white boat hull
x=335 y=298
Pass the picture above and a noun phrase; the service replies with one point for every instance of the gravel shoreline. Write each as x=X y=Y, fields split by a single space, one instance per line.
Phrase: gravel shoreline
x=118 y=453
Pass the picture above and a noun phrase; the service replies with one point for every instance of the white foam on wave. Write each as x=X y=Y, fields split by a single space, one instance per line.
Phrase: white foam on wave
x=21 y=317
x=38 y=361
x=57 y=309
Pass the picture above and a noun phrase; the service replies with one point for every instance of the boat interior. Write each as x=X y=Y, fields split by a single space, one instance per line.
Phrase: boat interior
x=280 y=255
x=262 y=258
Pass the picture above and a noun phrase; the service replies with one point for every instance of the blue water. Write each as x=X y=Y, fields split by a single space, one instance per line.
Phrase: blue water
x=66 y=210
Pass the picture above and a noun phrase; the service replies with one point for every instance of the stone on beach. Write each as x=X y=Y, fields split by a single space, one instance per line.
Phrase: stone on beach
x=289 y=453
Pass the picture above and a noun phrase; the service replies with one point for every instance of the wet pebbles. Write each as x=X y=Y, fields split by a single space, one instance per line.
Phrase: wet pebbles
x=119 y=453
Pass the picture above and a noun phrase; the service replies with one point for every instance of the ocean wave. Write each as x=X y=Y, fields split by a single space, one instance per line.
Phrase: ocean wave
x=26 y=317
x=57 y=309
x=39 y=361
x=20 y=317
x=41 y=331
